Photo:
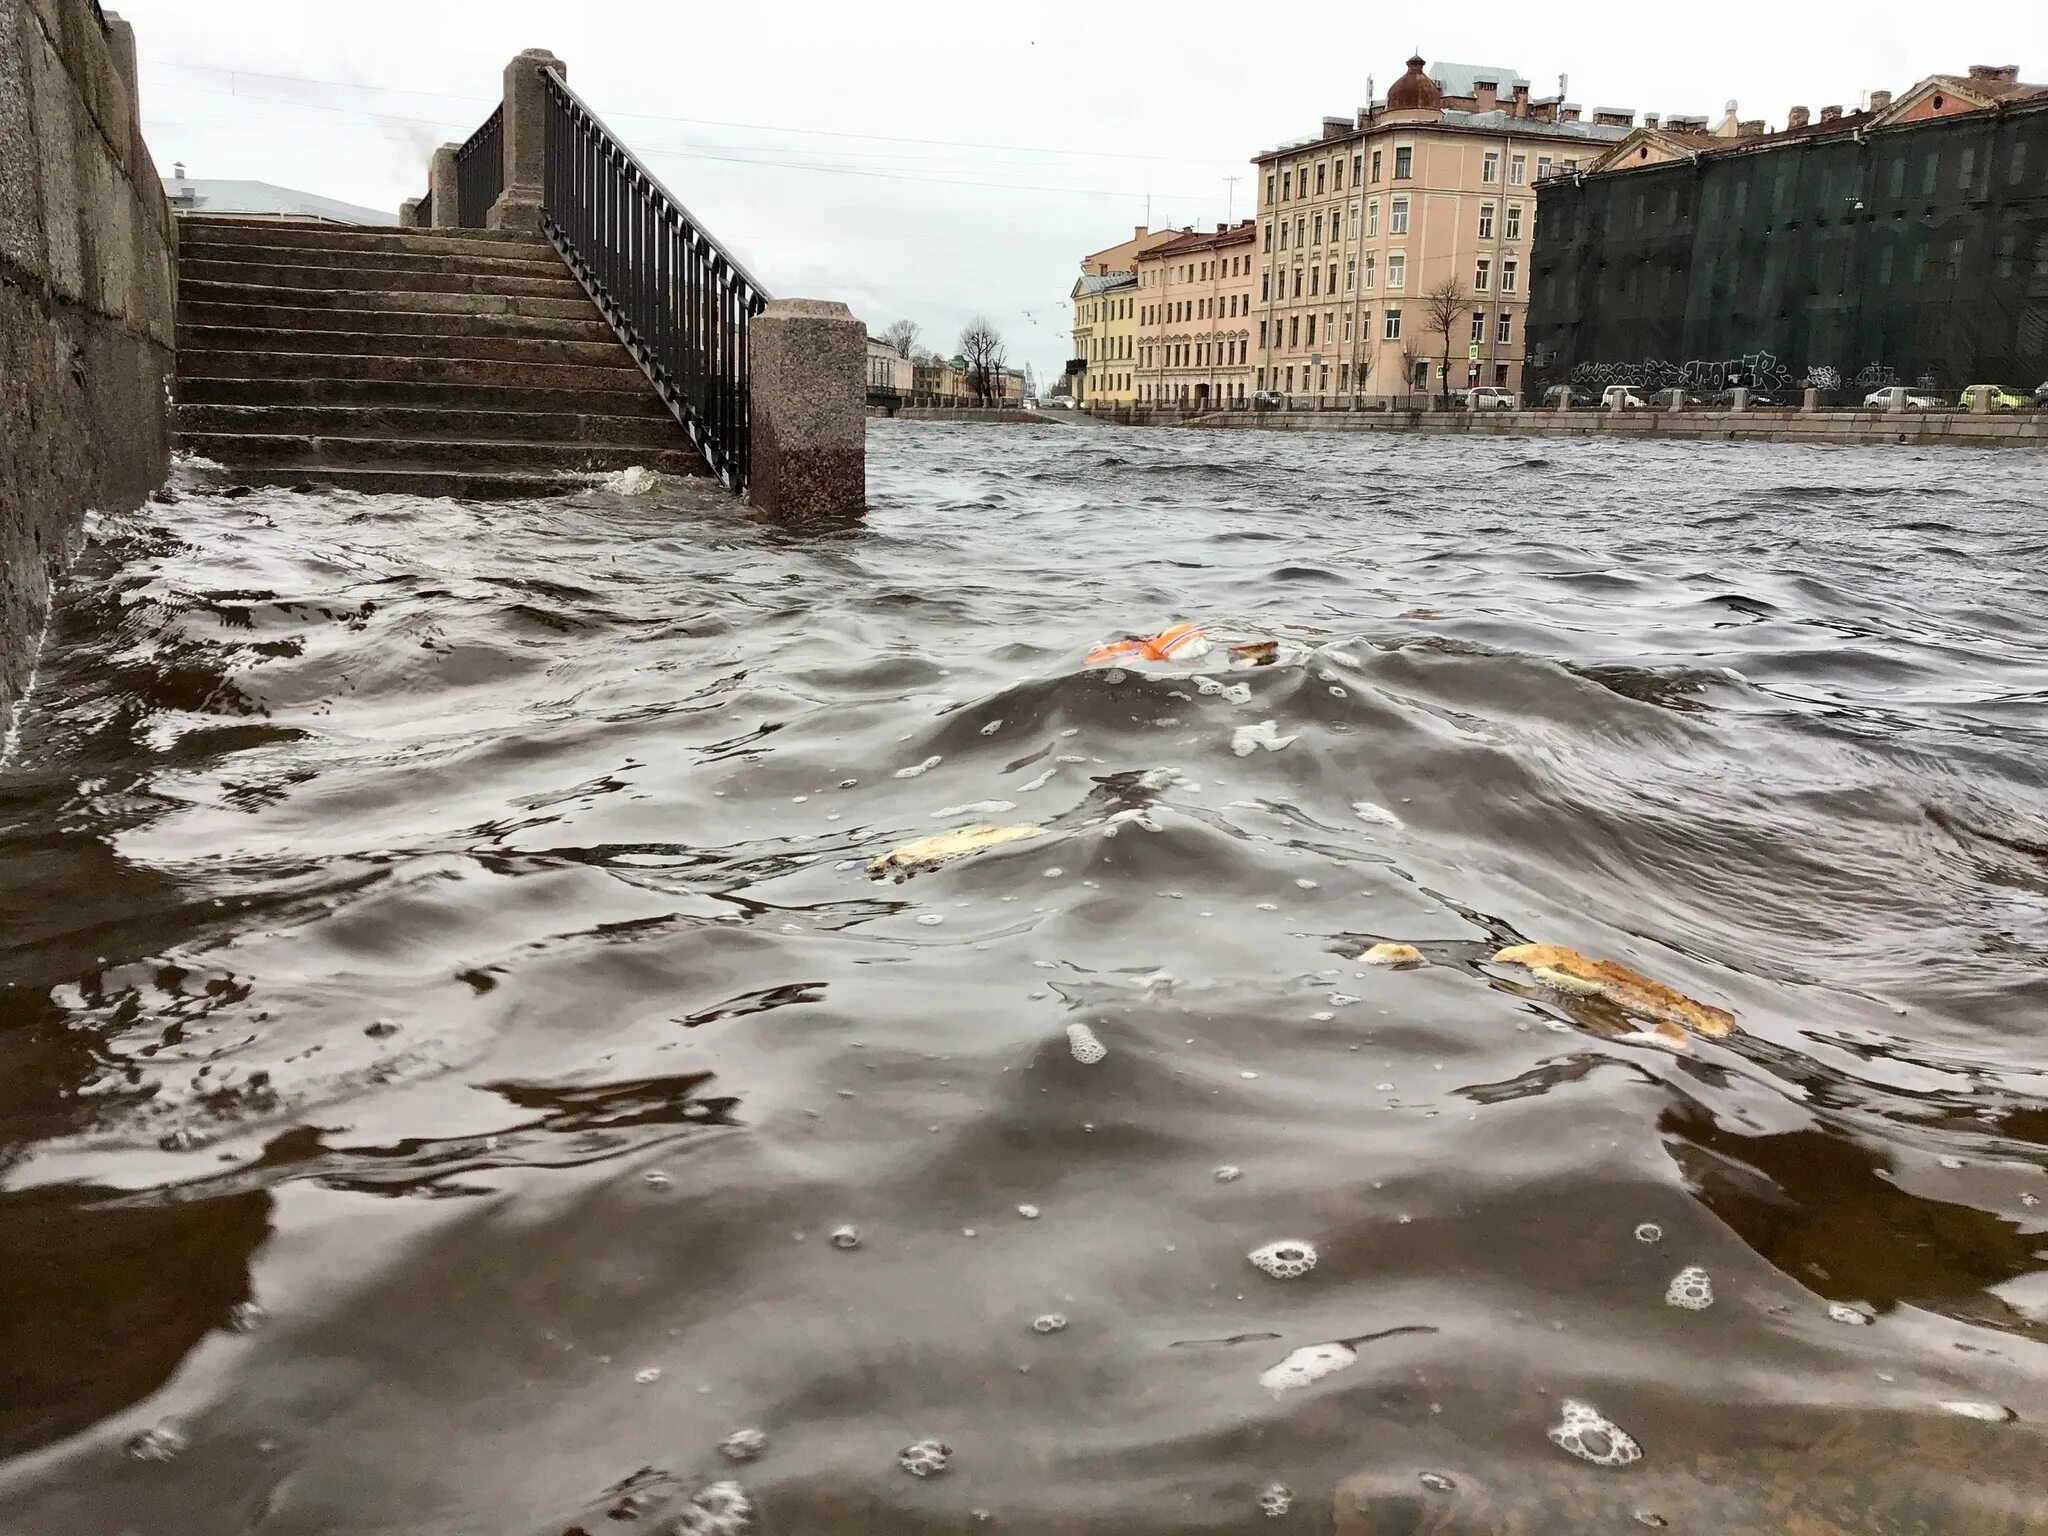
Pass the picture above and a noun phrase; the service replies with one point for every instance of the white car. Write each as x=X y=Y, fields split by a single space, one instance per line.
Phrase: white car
x=1490 y=398
x=1898 y=397
x=1619 y=397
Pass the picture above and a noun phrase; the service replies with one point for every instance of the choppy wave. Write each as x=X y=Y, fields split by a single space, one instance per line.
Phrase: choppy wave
x=448 y=1012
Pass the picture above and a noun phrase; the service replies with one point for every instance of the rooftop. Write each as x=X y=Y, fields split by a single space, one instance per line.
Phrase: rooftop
x=1461 y=79
x=260 y=199
x=1107 y=282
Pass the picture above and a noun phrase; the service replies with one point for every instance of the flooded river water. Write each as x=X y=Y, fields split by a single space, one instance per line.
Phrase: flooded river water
x=457 y=1069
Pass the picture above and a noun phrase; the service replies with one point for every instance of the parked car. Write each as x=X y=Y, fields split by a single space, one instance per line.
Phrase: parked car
x=1619 y=397
x=1560 y=396
x=1759 y=400
x=1489 y=397
x=1266 y=400
x=2041 y=396
x=2002 y=399
x=1675 y=400
x=1897 y=397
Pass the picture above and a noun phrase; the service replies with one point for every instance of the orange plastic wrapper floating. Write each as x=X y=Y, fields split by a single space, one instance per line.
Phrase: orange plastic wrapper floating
x=1183 y=642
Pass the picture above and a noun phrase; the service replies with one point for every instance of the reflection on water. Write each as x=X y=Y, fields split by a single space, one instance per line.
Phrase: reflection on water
x=459 y=1071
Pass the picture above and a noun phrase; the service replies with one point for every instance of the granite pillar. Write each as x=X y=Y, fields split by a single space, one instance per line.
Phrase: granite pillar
x=808 y=382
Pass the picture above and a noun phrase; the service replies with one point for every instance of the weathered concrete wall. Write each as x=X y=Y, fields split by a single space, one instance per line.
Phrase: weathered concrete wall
x=86 y=302
x=2008 y=429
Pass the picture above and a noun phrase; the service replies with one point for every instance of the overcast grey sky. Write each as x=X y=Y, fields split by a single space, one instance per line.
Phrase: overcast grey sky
x=929 y=160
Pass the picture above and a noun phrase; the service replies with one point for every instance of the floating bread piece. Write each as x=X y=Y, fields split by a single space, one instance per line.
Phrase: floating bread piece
x=1400 y=956
x=1258 y=653
x=1630 y=991
x=927 y=852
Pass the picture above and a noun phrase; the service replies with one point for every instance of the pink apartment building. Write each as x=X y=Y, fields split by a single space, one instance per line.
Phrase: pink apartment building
x=1196 y=319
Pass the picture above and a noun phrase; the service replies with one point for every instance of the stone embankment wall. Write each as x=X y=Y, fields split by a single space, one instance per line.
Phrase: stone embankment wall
x=87 y=280
x=2002 y=429
x=978 y=415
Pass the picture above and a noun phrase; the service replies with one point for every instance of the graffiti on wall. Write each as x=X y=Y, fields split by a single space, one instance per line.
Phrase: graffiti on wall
x=1755 y=370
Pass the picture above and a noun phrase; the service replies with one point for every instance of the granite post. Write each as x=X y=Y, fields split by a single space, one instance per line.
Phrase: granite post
x=1738 y=399
x=518 y=206
x=444 y=187
x=1810 y=401
x=1980 y=399
x=808 y=385
x=408 y=210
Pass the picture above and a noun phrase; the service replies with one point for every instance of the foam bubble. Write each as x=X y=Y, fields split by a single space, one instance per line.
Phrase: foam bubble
x=925 y=1458
x=1990 y=1413
x=656 y=1179
x=1247 y=739
x=1649 y=1232
x=1842 y=1312
x=1051 y=1322
x=743 y=1445
x=717 y=1509
x=163 y=1441
x=930 y=919
x=1229 y=1173
x=1436 y=1482
x=247 y=1317
x=1288 y=1259
x=1086 y=1048
x=648 y=1375
x=992 y=727
x=1307 y=1365
x=918 y=770
x=1378 y=815
x=1028 y=1212
x=1236 y=693
x=846 y=1237
x=1691 y=1289
x=974 y=808
x=1590 y=1437
x=1275 y=1499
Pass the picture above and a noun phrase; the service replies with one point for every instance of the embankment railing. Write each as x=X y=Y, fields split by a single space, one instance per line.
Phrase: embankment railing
x=678 y=300
x=480 y=172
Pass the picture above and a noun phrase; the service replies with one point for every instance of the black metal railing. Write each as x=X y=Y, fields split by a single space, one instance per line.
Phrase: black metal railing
x=677 y=299
x=423 y=210
x=480 y=172
x=99 y=15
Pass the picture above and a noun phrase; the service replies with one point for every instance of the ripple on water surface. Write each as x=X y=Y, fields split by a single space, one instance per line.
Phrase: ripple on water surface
x=459 y=1064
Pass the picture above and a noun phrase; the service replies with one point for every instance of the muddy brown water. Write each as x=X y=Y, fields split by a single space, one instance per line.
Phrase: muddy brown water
x=445 y=1014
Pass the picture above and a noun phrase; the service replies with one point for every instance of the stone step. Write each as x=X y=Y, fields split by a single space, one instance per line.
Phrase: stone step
x=392 y=322
x=505 y=261
x=617 y=373
x=198 y=340
x=451 y=279
x=429 y=424
x=637 y=399
x=461 y=484
x=296 y=451
x=571 y=307
x=321 y=236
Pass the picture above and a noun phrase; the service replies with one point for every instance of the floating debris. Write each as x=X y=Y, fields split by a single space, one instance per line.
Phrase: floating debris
x=1247 y=739
x=1400 y=957
x=1288 y=1259
x=1275 y=1499
x=743 y=1445
x=1843 y=1313
x=929 y=852
x=247 y=1317
x=1691 y=1290
x=1050 y=1322
x=1229 y=1173
x=1378 y=815
x=1028 y=1212
x=1257 y=653
x=1569 y=971
x=846 y=1237
x=1086 y=1048
x=1180 y=642
x=1989 y=1413
x=1307 y=1366
x=163 y=1441
x=925 y=1458
x=1436 y=1482
x=1590 y=1437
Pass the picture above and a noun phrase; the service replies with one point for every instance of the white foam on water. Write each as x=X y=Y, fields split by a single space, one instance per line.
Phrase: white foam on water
x=1307 y=1366
x=1843 y=1313
x=1229 y=1173
x=1378 y=815
x=1206 y=685
x=743 y=1445
x=1040 y=782
x=925 y=1458
x=1990 y=1413
x=163 y=1441
x=931 y=919
x=1649 y=1232
x=918 y=770
x=647 y=1376
x=717 y=1509
x=1050 y=1322
x=1247 y=739
x=1028 y=1212
x=1288 y=1259
x=1691 y=1290
x=847 y=1237
x=635 y=480
x=974 y=808
x=992 y=727
x=1086 y=1048
x=247 y=1317
x=1275 y=1499
x=1236 y=693
x=1590 y=1437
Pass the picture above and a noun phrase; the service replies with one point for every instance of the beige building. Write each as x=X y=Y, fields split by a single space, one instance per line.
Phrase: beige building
x=1420 y=209
x=888 y=371
x=1196 y=320
x=1103 y=364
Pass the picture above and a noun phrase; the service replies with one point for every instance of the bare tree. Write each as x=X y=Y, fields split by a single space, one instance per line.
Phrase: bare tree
x=1409 y=358
x=981 y=348
x=1442 y=308
x=902 y=335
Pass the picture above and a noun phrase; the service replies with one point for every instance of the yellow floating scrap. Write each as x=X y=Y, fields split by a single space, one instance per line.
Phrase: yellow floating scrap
x=1401 y=957
x=1630 y=991
x=928 y=852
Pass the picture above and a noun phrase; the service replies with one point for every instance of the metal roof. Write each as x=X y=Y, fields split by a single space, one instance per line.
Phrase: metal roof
x=1459 y=79
x=193 y=194
x=1529 y=127
x=1107 y=282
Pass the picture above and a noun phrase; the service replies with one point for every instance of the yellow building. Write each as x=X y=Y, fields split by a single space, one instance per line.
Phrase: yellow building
x=1103 y=367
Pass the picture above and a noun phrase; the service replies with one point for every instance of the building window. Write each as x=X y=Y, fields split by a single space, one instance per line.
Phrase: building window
x=1350 y=275
x=1899 y=176
x=1404 y=161
x=1269 y=236
x=2016 y=166
x=1322 y=167
x=1518 y=170
x=1514 y=230
x=1354 y=221
x=1375 y=167
x=1930 y=172
x=1370 y=262
x=1319 y=229
x=1372 y=219
x=1315 y=280
x=1297 y=282
x=1283 y=234
x=1347 y=325
x=1357 y=169
x=1290 y=378
x=1293 y=331
x=1397 y=270
x=1337 y=174
x=1330 y=285
x=1490 y=167
x=1300 y=229
x=1344 y=374
x=1265 y=287
x=1262 y=336
x=1270 y=179
x=1393 y=326
x=1966 y=168
x=1311 y=330
x=1505 y=332
x=1952 y=268
x=1286 y=185
x=1507 y=275
x=1397 y=217
x=1543 y=163
x=1486 y=221
x=2008 y=254
x=1500 y=374
x=1571 y=163
x=1479 y=325
x=1482 y=275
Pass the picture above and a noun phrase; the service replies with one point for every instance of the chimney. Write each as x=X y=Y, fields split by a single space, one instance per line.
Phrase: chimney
x=1829 y=114
x=1614 y=117
x=1651 y=119
x=1521 y=101
x=1486 y=95
x=1996 y=74
x=1798 y=117
x=178 y=171
x=1568 y=112
x=1336 y=127
x=1879 y=100
x=1750 y=128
